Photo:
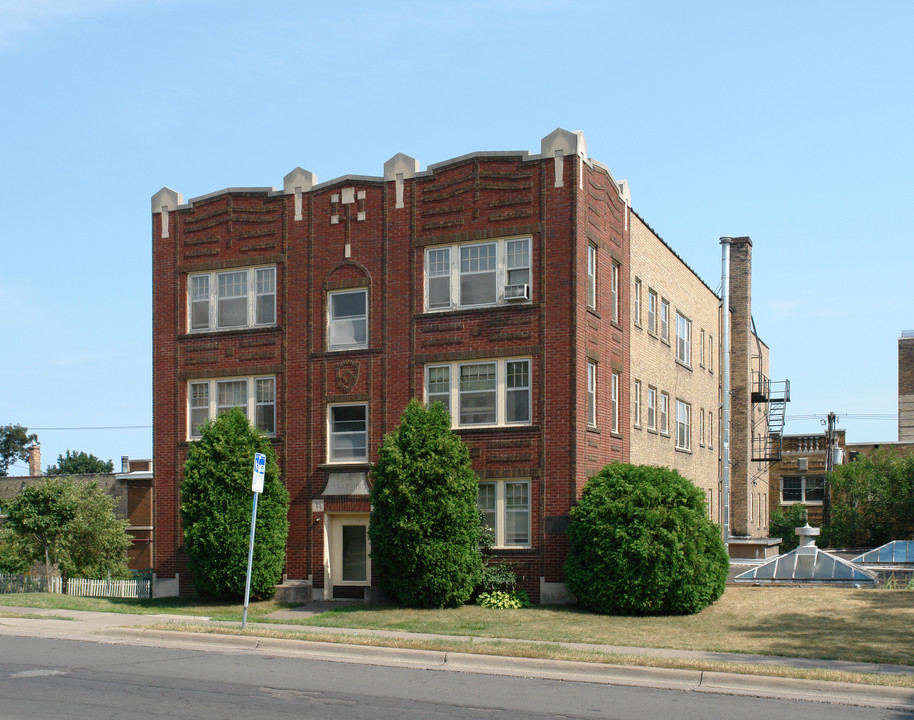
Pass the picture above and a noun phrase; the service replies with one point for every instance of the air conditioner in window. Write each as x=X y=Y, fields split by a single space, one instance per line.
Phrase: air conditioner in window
x=517 y=292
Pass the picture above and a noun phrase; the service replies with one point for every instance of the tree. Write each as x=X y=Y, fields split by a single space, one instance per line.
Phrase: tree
x=216 y=501
x=425 y=528
x=784 y=522
x=14 y=443
x=641 y=543
x=872 y=500
x=68 y=523
x=80 y=463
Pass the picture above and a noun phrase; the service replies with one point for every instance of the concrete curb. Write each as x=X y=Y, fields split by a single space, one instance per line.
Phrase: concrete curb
x=890 y=698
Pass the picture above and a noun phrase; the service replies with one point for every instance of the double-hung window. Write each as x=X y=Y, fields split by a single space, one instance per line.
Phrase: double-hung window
x=347 y=319
x=636 y=403
x=505 y=507
x=348 y=433
x=652 y=312
x=492 y=392
x=256 y=396
x=636 y=303
x=802 y=489
x=591 y=394
x=664 y=320
x=683 y=340
x=591 y=277
x=651 y=408
x=614 y=288
x=683 y=425
x=477 y=274
x=615 y=402
x=664 y=413
x=232 y=299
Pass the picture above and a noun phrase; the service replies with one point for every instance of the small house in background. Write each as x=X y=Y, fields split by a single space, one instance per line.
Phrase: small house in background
x=131 y=489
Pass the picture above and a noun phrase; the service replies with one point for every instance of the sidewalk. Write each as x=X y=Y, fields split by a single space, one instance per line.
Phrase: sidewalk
x=133 y=629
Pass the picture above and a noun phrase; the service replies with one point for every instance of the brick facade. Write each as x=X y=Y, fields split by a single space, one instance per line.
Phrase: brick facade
x=559 y=212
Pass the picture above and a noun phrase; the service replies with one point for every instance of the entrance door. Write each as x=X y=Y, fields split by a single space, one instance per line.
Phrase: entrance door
x=349 y=567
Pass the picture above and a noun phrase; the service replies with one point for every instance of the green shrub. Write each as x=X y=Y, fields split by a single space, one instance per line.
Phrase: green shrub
x=641 y=544
x=425 y=532
x=504 y=599
x=784 y=522
x=216 y=501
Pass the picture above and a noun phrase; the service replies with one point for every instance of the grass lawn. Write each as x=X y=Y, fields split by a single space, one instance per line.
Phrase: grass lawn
x=872 y=625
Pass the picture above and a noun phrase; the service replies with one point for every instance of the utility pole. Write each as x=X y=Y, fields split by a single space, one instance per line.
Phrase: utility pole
x=829 y=465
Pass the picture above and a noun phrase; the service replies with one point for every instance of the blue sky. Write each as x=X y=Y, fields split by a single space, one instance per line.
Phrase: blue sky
x=790 y=122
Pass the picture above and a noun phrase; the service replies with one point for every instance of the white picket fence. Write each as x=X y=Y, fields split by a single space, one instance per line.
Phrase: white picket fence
x=81 y=587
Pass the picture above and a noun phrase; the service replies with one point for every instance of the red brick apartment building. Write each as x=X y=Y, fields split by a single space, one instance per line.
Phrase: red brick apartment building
x=496 y=282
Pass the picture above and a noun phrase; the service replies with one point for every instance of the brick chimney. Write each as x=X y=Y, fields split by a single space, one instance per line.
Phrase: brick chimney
x=34 y=459
x=906 y=386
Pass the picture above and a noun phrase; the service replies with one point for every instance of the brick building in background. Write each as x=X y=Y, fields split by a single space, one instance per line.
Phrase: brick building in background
x=497 y=283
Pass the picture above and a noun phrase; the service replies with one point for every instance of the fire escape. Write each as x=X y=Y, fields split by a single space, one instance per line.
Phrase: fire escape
x=768 y=426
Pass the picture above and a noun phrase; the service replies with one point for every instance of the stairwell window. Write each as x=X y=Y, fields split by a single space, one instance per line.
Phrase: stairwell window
x=231 y=300
x=683 y=340
x=347 y=319
x=478 y=274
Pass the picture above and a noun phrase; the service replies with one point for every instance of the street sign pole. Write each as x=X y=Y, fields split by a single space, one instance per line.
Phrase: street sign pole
x=260 y=462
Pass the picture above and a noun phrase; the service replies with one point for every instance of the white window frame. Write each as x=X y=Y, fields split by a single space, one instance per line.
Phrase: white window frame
x=636 y=404
x=615 y=402
x=336 y=326
x=512 y=380
x=203 y=395
x=591 y=394
x=701 y=354
x=636 y=302
x=683 y=425
x=335 y=454
x=664 y=413
x=808 y=483
x=591 y=276
x=710 y=353
x=683 y=339
x=258 y=289
x=508 y=497
x=511 y=264
x=701 y=427
x=651 y=408
x=652 y=312
x=665 y=320
x=614 y=290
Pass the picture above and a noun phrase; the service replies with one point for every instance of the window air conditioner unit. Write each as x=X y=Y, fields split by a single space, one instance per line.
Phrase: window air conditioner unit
x=517 y=292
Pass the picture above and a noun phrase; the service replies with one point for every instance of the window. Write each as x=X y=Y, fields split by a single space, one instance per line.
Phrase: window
x=683 y=340
x=615 y=402
x=614 y=289
x=701 y=427
x=477 y=274
x=591 y=277
x=652 y=312
x=233 y=299
x=636 y=403
x=683 y=425
x=348 y=319
x=710 y=353
x=636 y=302
x=256 y=396
x=710 y=428
x=802 y=488
x=664 y=414
x=505 y=506
x=664 y=321
x=495 y=392
x=701 y=349
x=348 y=426
x=651 y=408
x=591 y=394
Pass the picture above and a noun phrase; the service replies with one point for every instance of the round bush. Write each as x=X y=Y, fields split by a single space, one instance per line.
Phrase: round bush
x=642 y=544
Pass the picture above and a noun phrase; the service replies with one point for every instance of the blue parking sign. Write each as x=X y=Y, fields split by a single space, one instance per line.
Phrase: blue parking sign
x=260 y=468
